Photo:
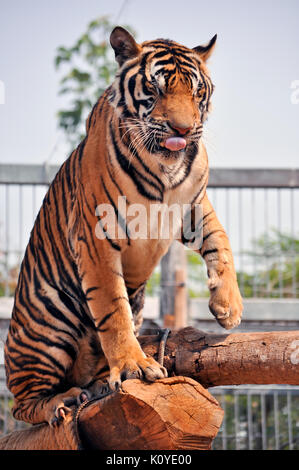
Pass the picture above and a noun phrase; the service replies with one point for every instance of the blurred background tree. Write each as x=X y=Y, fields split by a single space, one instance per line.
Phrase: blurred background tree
x=88 y=69
x=277 y=254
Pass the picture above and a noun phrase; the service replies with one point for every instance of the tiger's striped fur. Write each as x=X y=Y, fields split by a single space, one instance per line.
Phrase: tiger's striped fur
x=78 y=296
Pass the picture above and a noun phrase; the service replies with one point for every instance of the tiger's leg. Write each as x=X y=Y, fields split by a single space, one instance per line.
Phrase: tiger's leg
x=110 y=308
x=39 y=364
x=51 y=409
x=225 y=298
x=99 y=385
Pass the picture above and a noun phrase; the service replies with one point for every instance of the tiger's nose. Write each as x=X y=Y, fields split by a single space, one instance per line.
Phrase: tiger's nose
x=182 y=130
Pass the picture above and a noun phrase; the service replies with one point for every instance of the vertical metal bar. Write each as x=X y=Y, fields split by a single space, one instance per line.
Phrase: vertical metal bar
x=276 y=420
x=290 y=425
x=215 y=199
x=7 y=224
x=266 y=241
x=224 y=431
x=264 y=421
x=253 y=216
x=33 y=202
x=241 y=241
x=249 y=420
x=227 y=212
x=293 y=251
x=20 y=221
x=280 y=280
x=236 y=412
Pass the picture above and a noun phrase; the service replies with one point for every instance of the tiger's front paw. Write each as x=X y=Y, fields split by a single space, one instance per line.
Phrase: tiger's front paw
x=141 y=367
x=225 y=300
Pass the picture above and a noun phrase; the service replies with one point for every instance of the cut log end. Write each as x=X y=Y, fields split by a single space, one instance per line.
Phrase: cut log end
x=170 y=414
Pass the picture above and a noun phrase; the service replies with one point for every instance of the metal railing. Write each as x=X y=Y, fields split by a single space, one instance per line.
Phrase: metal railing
x=258 y=417
x=256 y=207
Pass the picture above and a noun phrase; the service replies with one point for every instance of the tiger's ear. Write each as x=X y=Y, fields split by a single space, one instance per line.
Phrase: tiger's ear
x=206 y=51
x=124 y=45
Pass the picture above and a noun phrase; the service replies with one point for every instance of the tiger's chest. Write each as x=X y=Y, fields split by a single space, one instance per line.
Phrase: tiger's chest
x=152 y=227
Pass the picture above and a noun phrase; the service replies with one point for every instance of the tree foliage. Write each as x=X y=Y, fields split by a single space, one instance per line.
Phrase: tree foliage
x=276 y=258
x=88 y=68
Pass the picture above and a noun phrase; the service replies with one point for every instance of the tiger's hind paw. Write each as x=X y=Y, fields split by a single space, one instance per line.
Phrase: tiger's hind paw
x=63 y=407
x=60 y=414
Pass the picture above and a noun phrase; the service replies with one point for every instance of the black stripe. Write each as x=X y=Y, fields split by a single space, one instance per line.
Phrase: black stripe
x=133 y=173
x=187 y=163
x=23 y=359
x=198 y=229
x=91 y=289
x=51 y=307
x=39 y=352
x=207 y=252
x=160 y=54
x=113 y=179
x=169 y=61
x=120 y=219
x=30 y=307
x=65 y=276
x=122 y=100
x=204 y=179
x=103 y=321
x=147 y=169
x=211 y=233
x=83 y=238
x=111 y=242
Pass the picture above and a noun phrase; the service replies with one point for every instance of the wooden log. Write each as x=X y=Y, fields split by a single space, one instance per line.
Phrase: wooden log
x=171 y=414
x=42 y=437
x=231 y=359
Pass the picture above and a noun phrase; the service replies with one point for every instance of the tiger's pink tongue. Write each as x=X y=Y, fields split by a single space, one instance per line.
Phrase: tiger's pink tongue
x=175 y=143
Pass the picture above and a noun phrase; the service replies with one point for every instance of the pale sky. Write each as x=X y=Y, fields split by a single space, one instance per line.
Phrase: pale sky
x=253 y=122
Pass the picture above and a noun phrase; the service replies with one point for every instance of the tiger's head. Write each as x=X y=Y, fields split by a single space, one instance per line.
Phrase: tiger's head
x=161 y=92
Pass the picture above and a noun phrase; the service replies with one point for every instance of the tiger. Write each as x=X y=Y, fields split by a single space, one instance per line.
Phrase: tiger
x=79 y=298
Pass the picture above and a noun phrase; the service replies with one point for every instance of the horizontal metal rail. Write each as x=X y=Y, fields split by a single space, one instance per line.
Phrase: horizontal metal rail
x=219 y=177
x=253 y=178
x=27 y=174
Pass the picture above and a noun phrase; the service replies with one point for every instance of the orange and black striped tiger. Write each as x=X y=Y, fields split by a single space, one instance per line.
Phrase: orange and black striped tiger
x=79 y=296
